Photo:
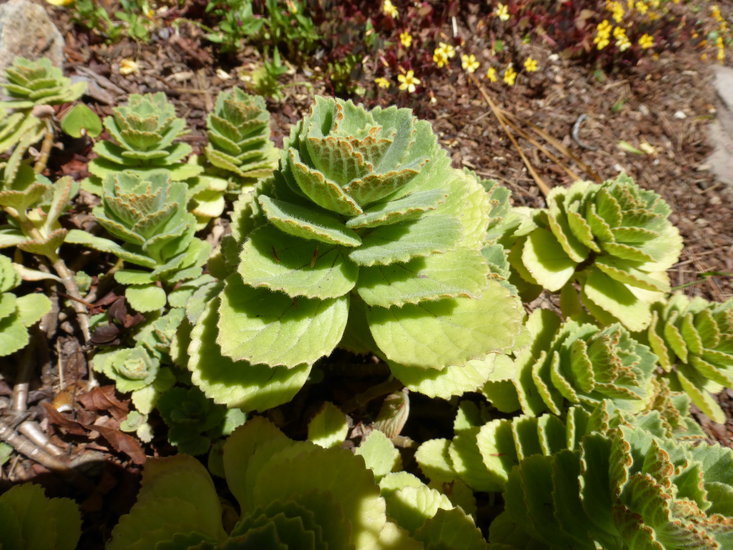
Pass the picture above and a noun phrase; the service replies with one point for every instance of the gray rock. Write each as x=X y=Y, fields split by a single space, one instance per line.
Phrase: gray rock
x=27 y=31
x=721 y=131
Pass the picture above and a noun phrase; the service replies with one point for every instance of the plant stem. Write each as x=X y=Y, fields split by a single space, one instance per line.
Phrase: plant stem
x=42 y=159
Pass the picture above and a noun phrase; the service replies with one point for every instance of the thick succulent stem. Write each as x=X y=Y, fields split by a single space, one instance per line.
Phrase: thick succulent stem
x=46 y=145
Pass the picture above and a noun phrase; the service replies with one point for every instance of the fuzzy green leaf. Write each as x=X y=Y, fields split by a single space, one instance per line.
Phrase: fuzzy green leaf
x=146 y=298
x=297 y=267
x=328 y=428
x=447 y=332
x=260 y=326
x=379 y=454
x=545 y=259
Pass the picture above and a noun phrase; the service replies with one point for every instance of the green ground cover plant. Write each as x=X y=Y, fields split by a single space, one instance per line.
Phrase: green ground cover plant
x=359 y=239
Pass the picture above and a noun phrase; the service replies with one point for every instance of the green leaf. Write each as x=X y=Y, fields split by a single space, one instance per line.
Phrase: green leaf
x=453 y=380
x=406 y=208
x=32 y=521
x=146 y=298
x=76 y=236
x=617 y=300
x=433 y=457
x=237 y=383
x=271 y=328
x=278 y=261
x=328 y=428
x=13 y=335
x=379 y=454
x=32 y=307
x=410 y=502
x=451 y=529
x=307 y=223
x=176 y=496
x=80 y=121
x=545 y=259
x=459 y=272
x=447 y=332
x=401 y=242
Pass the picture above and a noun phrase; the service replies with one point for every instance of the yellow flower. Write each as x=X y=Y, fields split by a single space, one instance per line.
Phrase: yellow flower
x=491 y=74
x=646 y=41
x=60 y=2
x=408 y=81
x=128 y=66
x=617 y=11
x=641 y=7
x=389 y=9
x=530 y=65
x=721 y=48
x=715 y=12
x=406 y=39
x=443 y=53
x=510 y=75
x=502 y=12
x=603 y=32
x=381 y=82
x=469 y=63
x=622 y=41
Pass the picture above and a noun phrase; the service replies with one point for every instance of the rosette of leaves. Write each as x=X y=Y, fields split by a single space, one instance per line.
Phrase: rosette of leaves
x=32 y=521
x=143 y=134
x=30 y=85
x=366 y=239
x=17 y=313
x=614 y=239
x=483 y=451
x=147 y=213
x=290 y=495
x=693 y=339
x=628 y=488
x=572 y=363
x=239 y=151
x=194 y=420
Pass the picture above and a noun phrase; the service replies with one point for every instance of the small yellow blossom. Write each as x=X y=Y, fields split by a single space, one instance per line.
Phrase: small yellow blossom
x=622 y=41
x=510 y=75
x=603 y=33
x=715 y=12
x=406 y=39
x=469 y=63
x=491 y=74
x=408 y=81
x=642 y=8
x=128 y=66
x=530 y=65
x=646 y=41
x=60 y=2
x=381 y=82
x=617 y=11
x=721 y=48
x=443 y=53
x=502 y=12
x=389 y=9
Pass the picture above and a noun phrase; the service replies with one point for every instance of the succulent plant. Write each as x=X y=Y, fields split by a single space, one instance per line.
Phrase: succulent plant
x=483 y=451
x=32 y=521
x=693 y=339
x=571 y=363
x=143 y=136
x=194 y=421
x=614 y=239
x=239 y=136
x=367 y=239
x=290 y=495
x=239 y=152
x=17 y=313
x=627 y=488
x=147 y=212
x=30 y=85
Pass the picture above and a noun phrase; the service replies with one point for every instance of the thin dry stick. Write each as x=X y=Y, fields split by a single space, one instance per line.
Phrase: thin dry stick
x=559 y=146
x=538 y=180
x=543 y=149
